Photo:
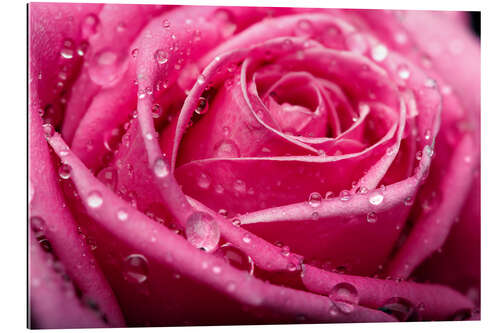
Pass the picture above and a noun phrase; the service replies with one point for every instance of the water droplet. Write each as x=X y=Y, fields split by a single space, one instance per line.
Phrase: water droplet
x=371 y=217
x=156 y=110
x=401 y=308
x=136 y=268
x=246 y=238
x=227 y=149
x=403 y=71
x=166 y=24
x=239 y=186
x=108 y=177
x=315 y=216
x=90 y=25
x=161 y=56
x=48 y=130
x=345 y=195
x=427 y=134
x=329 y=195
x=37 y=225
x=344 y=296
x=418 y=155
x=315 y=199
x=160 y=168
x=122 y=215
x=216 y=269
x=202 y=107
x=430 y=83
x=219 y=189
x=201 y=79
x=121 y=27
x=236 y=222
x=82 y=48
x=67 y=50
x=202 y=231
x=65 y=171
x=376 y=198
x=379 y=52
x=235 y=257
x=204 y=181
x=408 y=201
x=94 y=200
x=285 y=251
x=134 y=53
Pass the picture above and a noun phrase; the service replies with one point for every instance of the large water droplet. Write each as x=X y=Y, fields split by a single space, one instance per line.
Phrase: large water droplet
x=344 y=296
x=136 y=268
x=65 y=171
x=160 y=168
x=202 y=231
x=401 y=308
x=235 y=257
x=94 y=200
x=314 y=199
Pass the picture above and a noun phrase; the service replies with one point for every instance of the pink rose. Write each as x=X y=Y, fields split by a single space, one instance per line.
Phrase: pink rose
x=231 y=165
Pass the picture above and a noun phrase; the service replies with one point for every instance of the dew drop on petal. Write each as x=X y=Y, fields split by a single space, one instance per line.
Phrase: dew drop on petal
x=65 y=171
x=403 y=71
x=160 y=168
x=156 y=110
x=94 y=199
x=314 y=199
x=122 y=215
x=235 y=257
x=345 y=195
x=400 y=308
x=379 y=52
x=202 y=106
x=344 y=296
x=67 y=50
x=135 y=269
x=239 y=186
x=246 y=238
x=227 y=149
x=376 y=198
x=204 y=181
x=408 y=201
x=236 y=222
x=202 y=231
x=161 y=56
x=48 y=130
x=371 y=217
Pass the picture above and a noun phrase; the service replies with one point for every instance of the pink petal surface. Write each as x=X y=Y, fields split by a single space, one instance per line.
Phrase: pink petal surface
x=338 y=140
x=173 y=255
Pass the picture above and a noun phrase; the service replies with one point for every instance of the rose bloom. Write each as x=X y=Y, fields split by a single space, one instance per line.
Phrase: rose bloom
x=227 y=165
